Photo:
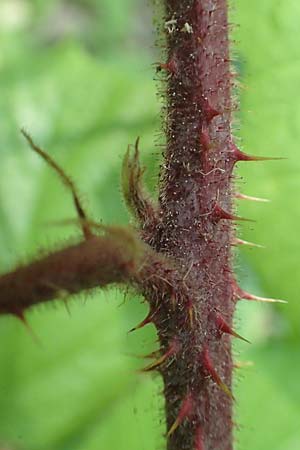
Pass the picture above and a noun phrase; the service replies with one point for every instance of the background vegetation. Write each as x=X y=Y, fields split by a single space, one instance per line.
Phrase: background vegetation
x=79 y=76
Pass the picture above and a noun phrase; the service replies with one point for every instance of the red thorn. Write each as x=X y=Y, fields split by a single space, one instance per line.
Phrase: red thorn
x=240 y=294
x=204 y=139
x=185 y=411
x=238 y=155
x=209 y=111
x=143 y=323
x=219 y=213
x=171 y=66
x=199 y=444
x=208 y=365
x=20 y=315
x=248 y=197
x=172 y=350
x=225 y=328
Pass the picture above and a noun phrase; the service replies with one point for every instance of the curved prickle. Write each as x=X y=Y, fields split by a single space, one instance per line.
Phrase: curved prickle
x=186 y=409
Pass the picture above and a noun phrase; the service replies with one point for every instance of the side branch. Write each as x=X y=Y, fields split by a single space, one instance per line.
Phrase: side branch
x=115 y=257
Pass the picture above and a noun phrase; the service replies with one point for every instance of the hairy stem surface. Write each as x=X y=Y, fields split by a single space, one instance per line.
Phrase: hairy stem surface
x=195 y=230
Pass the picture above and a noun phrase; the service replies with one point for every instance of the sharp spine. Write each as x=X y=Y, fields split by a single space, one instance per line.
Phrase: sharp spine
x=238 y=155
x=208 y=365
x=237 y=241
x=250 y=198
x=143 y=323
x=20 y=315
x=219 y=213
x=184 y=412
x=172 y=350
x=241 y=294
x=225 y=328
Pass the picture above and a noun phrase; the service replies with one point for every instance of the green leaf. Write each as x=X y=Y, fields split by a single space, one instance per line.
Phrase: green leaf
x=268 y=405
x=268 y=395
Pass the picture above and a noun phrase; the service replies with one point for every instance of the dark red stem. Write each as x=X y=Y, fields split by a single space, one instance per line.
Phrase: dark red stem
x=196 y=226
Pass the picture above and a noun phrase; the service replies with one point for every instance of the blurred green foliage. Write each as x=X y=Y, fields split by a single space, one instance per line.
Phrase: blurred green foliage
x=77 y=75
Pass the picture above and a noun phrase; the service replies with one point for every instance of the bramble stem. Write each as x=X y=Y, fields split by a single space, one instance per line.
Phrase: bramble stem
x=196 y=230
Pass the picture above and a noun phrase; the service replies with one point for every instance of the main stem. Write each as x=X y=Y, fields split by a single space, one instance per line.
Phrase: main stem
x=196 y=231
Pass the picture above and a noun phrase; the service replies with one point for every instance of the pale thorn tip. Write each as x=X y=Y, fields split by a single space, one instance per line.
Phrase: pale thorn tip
x=155 y=363
x=248 y=296
x=253 y=199
x=237 y=241
x=173 y=427
x=242 y=364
